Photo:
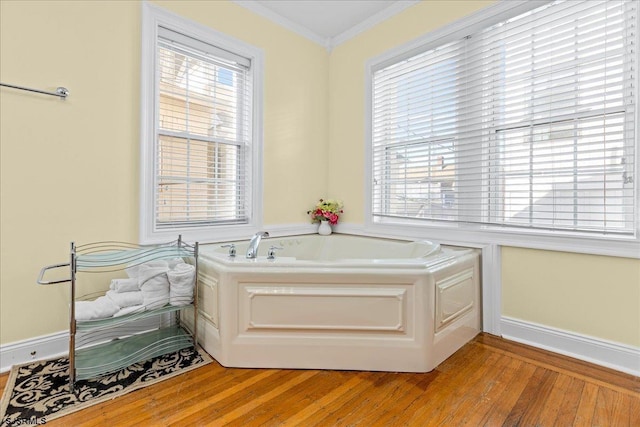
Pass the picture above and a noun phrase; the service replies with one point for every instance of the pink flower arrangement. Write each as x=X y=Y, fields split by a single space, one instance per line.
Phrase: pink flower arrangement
x=326 y=210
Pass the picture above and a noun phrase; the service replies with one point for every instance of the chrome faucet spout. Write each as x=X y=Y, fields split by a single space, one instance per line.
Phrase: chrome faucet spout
x=252 y=250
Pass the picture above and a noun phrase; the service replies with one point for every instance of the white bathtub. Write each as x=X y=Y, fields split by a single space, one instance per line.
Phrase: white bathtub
x=338 y=302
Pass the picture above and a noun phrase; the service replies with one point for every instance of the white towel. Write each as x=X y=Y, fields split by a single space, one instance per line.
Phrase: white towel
x=125 y=299
x=181 y=280
x=155 y=292
x=133 y=271
x=130 y=310
x=151 y=269
x=125 y=285
x=100 y=308
x=171 y=263
x=182 y=274
x=154 y=285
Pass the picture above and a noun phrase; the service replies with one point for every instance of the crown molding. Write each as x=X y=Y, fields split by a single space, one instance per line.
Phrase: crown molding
x=371 y=22
x=327 y=42
x=256 y=7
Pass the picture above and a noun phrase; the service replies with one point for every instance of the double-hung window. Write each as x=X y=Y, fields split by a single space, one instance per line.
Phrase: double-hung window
x=199 y=143
x=526 y=123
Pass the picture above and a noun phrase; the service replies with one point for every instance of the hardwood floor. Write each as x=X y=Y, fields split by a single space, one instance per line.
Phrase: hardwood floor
x=489 y=382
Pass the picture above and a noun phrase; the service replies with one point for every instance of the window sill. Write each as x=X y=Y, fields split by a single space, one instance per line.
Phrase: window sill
x=201 y=235
x=626 y=247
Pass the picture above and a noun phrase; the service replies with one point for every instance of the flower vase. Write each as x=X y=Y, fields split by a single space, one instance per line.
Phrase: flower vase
x=324 y=229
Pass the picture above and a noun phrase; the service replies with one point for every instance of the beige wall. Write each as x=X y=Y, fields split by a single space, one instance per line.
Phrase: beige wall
x=591 y=295
x=585 y=294
x=69 y=169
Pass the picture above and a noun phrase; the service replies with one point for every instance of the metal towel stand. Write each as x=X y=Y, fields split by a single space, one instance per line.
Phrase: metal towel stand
x=60 y=92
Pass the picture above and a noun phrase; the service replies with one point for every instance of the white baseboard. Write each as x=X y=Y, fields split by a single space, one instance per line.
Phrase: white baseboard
x=38 y=348
x=605 y=353
x=624 y=358
x=57 y=344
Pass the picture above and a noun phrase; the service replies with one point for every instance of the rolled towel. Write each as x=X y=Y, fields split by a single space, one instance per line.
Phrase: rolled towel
x=125 y=285
x=130 y=310
x=100 y=308
x=181 y=280
x=126 y=299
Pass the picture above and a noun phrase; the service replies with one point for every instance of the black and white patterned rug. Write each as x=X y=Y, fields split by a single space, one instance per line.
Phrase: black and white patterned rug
x=38 y=392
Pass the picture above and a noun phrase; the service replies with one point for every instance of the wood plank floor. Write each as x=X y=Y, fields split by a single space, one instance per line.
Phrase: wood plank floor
x=489 y=382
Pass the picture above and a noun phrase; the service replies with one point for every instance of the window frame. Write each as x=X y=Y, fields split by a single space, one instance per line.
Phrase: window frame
x=154 y=17
x=626 y=246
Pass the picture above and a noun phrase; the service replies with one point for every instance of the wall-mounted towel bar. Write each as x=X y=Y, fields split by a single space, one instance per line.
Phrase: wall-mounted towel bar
x=61 y=92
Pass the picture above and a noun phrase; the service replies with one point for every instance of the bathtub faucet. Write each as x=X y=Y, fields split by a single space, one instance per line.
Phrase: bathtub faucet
x=252 y=251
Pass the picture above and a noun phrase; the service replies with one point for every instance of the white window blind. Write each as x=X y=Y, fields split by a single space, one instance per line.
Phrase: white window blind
x=203 y=134
x=527 y=123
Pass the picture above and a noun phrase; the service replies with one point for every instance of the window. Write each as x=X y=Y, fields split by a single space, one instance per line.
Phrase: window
x=200 y=145
x=524 y=123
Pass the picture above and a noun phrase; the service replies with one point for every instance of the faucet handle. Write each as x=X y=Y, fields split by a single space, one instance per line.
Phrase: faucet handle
x=232 y=249
x=271 y=254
